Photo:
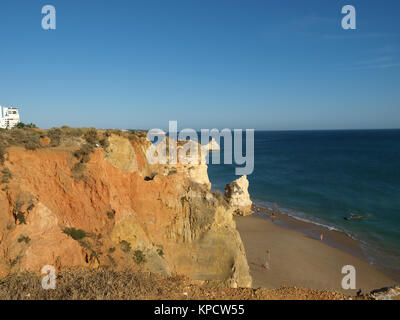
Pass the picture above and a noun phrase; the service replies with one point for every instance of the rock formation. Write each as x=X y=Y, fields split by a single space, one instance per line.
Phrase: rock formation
x=123 y=213
x=237 y=196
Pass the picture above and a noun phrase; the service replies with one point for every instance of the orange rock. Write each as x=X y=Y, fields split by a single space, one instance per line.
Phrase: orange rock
x=166 y=224
x=45 y=141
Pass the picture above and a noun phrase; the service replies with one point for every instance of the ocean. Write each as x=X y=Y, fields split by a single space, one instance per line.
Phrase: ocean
x=324 y=176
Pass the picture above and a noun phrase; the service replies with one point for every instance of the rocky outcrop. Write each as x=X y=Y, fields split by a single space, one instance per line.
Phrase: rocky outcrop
x=124 y=214
x=391 y=293
x=121 y=154
x=237 y=196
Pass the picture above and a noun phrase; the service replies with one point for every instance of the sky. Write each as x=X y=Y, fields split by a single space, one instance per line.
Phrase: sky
x=257 y=64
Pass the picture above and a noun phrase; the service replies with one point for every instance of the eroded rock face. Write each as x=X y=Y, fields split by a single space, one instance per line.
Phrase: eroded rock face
x=115 y=217
x=121 y=154
x=238 y=197
x=392 y=293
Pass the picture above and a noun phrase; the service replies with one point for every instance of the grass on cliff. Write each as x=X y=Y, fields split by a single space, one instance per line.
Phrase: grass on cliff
x=90 y=285
x=89 y=241
x=27 y=137
x=76 y=234
x=100 y=284
x=6 y=175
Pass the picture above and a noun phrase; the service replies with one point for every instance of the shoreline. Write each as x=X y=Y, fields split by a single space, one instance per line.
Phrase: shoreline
x=333 y=237
x=299 y=258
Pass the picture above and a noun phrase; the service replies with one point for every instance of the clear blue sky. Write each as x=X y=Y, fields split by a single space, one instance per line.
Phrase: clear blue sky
x=206 y=63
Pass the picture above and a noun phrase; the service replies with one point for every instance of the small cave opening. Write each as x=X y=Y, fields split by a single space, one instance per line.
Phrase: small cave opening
x=149 y=178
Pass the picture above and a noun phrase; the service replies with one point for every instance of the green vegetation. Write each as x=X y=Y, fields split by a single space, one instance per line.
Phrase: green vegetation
x=83 y=156
x=91 y=136
x=22 y=125
x=83 y=153
x=111 y=250
x=111 y=214
x=78 y=170
x=125 y=246
x=139 y=257
x=71 y=132
x=104 y=143
x=3 y=152
x=160 y=251
x=20 y=217
x=21 y=136
x=13 y=262
x=89 y=241
x=32 y=142
x=117 y=132
x=76 y=234
x=93 y=254
x=6 y=175
x=172 y=171
x=25 y=239
x=55 y=135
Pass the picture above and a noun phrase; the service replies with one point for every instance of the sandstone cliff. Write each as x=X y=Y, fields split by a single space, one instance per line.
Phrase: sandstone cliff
x=115 y=211
x=238 y=197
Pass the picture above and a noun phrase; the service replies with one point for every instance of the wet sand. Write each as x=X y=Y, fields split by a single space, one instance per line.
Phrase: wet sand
x=300 y=258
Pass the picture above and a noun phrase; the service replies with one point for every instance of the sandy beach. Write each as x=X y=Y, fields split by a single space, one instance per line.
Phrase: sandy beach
x=300 y=258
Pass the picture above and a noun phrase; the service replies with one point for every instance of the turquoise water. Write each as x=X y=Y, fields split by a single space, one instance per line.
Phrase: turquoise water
x=324 y=176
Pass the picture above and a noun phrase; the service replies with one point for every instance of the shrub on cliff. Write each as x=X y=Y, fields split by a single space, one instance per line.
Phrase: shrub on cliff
x=26 y=137
x=76 y=234
x=25 y=239
x=125 y=246
x=111 y=214
x=22 y=125
x=139 y=257
x=83 y=153
x=6 y=175
x=32 y=142
x=160 y=251
x=91 y=136
x=83 y=157
x=77 y=170
x=104 y=143
x=71 y=132
x=117 y=132
x=20 y=217
x=3 y=152
x=55 y=135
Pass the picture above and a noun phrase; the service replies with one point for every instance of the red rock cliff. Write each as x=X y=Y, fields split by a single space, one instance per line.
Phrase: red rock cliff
x=124 y=213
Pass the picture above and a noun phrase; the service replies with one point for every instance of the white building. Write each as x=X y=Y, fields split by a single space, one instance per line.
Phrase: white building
x=9 y=117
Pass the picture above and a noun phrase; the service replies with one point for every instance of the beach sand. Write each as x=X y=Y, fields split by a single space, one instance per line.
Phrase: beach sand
x=300 y=258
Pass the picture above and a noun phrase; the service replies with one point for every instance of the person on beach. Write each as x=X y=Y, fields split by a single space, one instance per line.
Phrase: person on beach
x=267 y=262
x=321 y=236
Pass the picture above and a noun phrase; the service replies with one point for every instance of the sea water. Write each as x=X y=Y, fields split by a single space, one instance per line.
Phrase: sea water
x=325 y=176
